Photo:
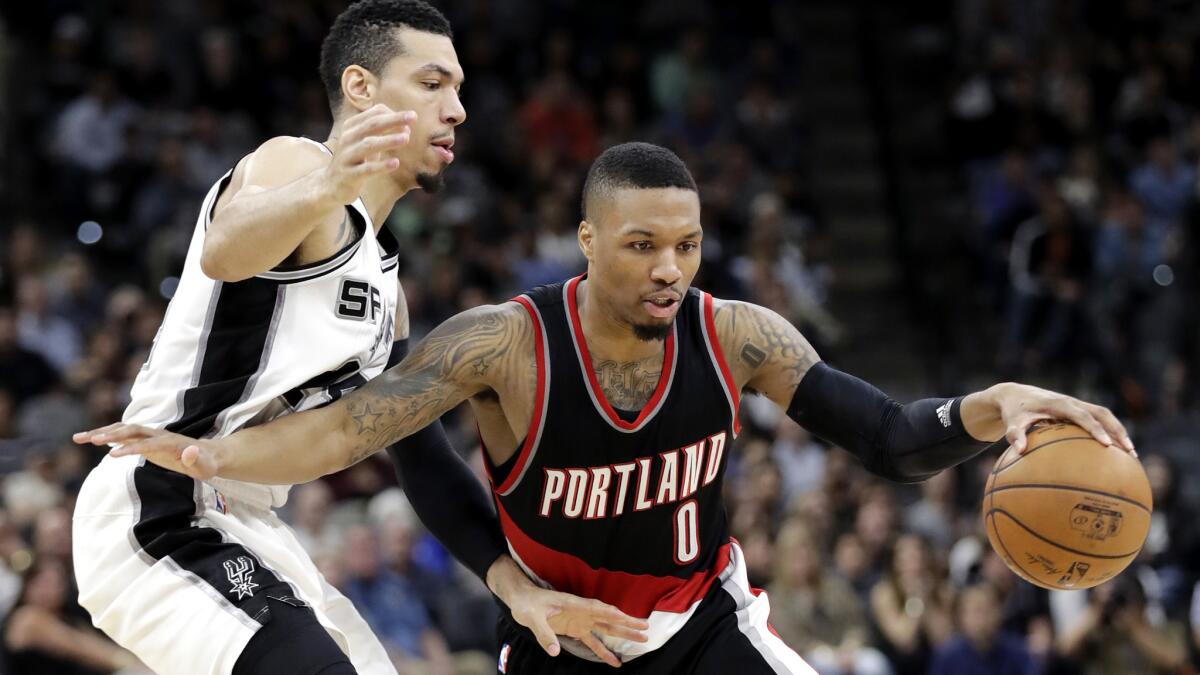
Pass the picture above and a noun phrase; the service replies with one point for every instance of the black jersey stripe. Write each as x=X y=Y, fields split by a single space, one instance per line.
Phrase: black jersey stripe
x=232 y=353
x=167 y=532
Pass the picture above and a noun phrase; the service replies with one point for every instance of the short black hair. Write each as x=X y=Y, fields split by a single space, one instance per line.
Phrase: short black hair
x=365 y=34
x=635 y=165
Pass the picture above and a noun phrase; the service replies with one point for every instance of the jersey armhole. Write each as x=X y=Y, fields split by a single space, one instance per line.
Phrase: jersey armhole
x=537 y=421
x=717 y=355
x=291 y=274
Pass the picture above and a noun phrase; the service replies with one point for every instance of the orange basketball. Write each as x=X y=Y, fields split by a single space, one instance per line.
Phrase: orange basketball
x=1070 y=513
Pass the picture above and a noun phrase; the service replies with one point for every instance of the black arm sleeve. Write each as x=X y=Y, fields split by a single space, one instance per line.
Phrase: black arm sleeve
x=905 y=443
x=446 y=495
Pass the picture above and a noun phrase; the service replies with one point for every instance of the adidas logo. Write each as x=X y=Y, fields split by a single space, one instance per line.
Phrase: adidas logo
x=943 y=413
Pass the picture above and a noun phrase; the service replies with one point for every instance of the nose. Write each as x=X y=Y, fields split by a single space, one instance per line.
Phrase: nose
x=453 y=112
x=665 y=270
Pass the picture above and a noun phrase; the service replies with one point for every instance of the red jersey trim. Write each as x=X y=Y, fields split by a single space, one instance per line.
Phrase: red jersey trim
x=718 y=356
x=665 y=378
x=537 y=421
x=635 y=594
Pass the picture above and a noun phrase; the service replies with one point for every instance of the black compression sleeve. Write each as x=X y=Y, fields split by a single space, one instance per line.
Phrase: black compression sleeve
x=904 y=443
x=447 y=496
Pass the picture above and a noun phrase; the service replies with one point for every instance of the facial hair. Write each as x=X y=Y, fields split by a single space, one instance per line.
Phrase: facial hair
x=430 y=182
x=651 y=332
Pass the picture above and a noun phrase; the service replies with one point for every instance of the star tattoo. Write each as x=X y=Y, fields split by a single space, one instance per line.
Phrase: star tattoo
x=366 y=420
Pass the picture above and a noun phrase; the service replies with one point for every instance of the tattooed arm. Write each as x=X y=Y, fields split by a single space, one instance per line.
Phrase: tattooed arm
x=470 y=352
x=901 y=442
x=766 y=353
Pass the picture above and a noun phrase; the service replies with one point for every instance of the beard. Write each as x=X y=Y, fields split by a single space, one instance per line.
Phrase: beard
x=431 y=182
x=651 y=332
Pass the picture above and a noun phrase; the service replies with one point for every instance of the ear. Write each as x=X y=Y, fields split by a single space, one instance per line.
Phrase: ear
x=586 y=239
x=359 y=87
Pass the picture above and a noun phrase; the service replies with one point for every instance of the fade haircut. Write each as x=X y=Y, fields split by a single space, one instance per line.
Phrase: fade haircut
x=634 y=165
x=364 y=34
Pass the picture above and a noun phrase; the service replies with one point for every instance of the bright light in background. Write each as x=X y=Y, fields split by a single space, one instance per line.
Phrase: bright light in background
x=89 y=232
x=1164 y=275
x=168 y=286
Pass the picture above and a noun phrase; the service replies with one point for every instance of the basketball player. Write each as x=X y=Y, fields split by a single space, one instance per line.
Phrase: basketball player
x=608 y=405
x=288 y=300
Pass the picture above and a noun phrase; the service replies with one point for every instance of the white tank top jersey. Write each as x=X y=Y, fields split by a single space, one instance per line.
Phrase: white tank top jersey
x=235 y=354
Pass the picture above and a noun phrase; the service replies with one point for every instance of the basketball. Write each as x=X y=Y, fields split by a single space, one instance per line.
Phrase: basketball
x=1070 y=513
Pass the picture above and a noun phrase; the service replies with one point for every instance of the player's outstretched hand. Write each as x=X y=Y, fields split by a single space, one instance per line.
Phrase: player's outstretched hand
x=1021 y=405
x=189 y=456
x=549 y=613
x=362 y=149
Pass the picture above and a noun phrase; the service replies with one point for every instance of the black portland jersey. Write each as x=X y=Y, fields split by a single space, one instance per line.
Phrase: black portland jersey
x=624 y=510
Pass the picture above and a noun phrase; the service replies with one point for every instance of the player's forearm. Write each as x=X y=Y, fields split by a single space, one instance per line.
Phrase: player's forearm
x=296 y=448
x=906 y=443
x=258 y=230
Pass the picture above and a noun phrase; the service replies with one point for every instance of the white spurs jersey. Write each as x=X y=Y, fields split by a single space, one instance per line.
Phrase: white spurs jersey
x=235 y=354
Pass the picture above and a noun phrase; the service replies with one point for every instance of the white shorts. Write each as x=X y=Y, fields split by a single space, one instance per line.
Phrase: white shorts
x=180 y=576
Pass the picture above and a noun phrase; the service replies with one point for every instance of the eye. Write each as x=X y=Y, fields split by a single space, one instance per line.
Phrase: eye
x=688 y=246
x=641 y=245
x=431 y=85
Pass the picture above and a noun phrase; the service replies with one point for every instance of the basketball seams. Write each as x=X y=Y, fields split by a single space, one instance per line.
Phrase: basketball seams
x=1006 y=467
x=1073 y=488
x=1098 y=556
x=991 y=519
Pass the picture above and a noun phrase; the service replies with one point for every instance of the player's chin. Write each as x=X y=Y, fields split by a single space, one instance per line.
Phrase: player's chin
x=431 y=182
x=653 y=328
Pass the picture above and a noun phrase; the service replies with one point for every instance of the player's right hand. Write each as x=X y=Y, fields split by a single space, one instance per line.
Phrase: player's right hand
x=197 y=459
x=362 y=149
x=550 y=613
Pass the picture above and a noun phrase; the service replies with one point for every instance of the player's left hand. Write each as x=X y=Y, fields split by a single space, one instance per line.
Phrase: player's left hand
x=1020 y=405
x=192 y=457
x=549 y=613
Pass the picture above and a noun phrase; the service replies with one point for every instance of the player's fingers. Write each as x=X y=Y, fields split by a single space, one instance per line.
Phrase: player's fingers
x=374 y=144
x=619 y=631
x=544 y=635
x=89 y=435
x=1084 y=418
x=353 y=123
x=1018 y=428
x=381 y=123
x=379 y=166
x=155 y=445
x=593 y=643
x=605 y=612
x=1114 y=426
x=124 y=434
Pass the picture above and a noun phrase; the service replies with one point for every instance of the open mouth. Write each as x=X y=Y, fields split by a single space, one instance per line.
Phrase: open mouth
x=443 y=148
x=661 y=307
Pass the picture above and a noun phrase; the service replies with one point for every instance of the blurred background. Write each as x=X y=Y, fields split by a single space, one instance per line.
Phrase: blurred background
x=941 y=194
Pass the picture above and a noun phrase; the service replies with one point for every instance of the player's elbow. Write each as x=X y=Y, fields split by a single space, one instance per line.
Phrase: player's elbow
x=216 y=263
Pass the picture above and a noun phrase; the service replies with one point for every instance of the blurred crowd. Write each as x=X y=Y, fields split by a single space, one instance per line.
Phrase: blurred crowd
x=1078 y=133
x=1079 y=147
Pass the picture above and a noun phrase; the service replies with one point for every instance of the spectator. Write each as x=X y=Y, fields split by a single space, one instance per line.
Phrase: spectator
x=816 y=612
x=39 y=638
x=1114 y=635
x=23 y=373
x=391 y=605
x=1049 y=265
x=980 y=648
x=911 y=606
x=41 y=331
x=1164 y=184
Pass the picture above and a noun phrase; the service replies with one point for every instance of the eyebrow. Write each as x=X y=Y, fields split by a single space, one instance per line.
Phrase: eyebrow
x=647 y=233
x=437 y=68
